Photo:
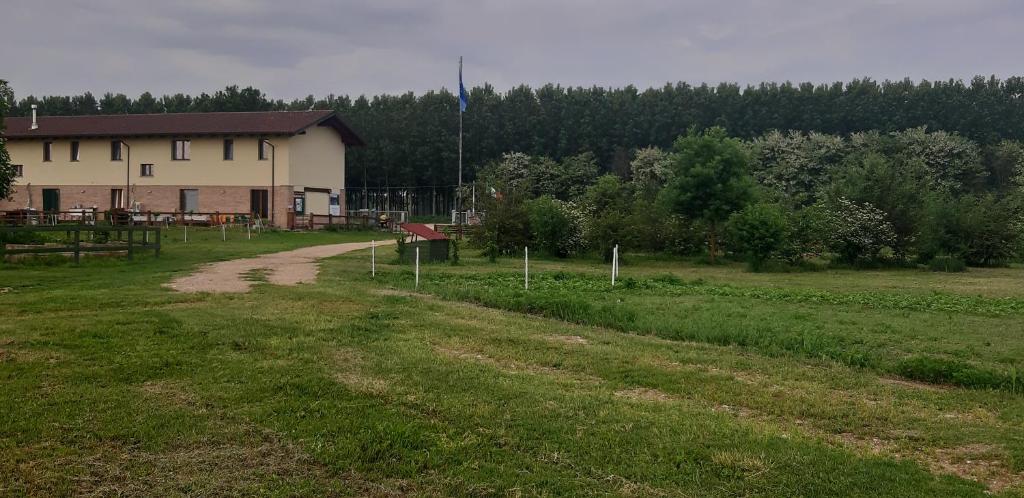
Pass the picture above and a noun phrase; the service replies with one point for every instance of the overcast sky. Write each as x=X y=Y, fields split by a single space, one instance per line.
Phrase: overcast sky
x=292 y=48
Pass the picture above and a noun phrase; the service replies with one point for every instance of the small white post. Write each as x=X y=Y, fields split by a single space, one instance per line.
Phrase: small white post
x=223 y=232
x=417 y=268
x=248 y=231
x=186 y=234
x=526 y=273
x=373 y=258
x=615 y=262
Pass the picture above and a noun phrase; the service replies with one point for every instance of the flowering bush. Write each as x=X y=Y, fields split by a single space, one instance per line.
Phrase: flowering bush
x=858 y=232
x=556 y=227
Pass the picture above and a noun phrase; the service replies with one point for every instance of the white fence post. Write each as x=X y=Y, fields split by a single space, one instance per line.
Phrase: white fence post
x=373 y=258
x=417 y=268
x=223 y=232
x=186 y=234
x=615 y=263
x=618 y=255
x=248 y=231
x=526 y=273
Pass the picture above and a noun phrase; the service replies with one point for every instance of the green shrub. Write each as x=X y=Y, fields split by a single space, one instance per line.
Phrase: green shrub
x=759 y=231
x=981 y=230
x=947 y=263
x=454 y=246
x=401 y=246
x=556 y=227
x=857 y=232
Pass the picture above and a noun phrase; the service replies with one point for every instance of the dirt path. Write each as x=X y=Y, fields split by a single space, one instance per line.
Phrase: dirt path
x=281 y=268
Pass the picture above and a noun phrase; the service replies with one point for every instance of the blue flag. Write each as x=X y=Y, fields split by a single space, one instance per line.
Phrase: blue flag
x=463 y=96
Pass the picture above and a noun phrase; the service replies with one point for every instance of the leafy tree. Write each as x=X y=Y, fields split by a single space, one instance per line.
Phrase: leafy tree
x=981 y=230
x=951 y=161
x=896 y=187
x=650 y=169
x=858 y=232
x=1005 y=166
x=556 y=227
x=710 y=180
x=758 y=231
x=572 y=176
x=608 y=202
x=6 y=170
x=506 y=229
x=795 y=165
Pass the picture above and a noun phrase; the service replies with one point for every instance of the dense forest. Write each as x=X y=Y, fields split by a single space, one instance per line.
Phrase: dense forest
x=412 y=138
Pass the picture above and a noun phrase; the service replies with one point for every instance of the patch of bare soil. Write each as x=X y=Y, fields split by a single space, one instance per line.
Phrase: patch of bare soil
x=214 y=469
x=983 y=463
x=238 y=460
x=913 y=384
x=568 y=339
x=398 y=292
x=513 y=366
x=643 y=394
x=349 y=370
x=281 y=268
x=169 y=392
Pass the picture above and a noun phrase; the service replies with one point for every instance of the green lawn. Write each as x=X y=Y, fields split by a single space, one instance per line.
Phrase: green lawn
x=712 y=382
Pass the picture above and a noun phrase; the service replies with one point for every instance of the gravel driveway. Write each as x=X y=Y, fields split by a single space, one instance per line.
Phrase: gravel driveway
x=281 y=268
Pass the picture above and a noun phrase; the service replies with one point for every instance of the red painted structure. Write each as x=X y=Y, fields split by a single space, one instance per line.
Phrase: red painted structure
x=422 y=231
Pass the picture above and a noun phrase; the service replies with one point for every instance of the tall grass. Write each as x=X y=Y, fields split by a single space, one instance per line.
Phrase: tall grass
x=590 y=300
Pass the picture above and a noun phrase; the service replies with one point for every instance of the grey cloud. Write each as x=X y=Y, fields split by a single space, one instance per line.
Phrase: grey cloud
x=291 y=49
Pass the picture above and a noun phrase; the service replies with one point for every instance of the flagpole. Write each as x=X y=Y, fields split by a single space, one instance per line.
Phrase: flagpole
x=459 y=193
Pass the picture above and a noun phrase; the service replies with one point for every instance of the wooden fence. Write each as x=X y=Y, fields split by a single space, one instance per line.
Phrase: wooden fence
x=76 y=247
x=121 y=217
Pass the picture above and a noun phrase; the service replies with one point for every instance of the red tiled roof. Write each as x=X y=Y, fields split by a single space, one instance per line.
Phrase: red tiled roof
x=423 y=231
x=193 y=123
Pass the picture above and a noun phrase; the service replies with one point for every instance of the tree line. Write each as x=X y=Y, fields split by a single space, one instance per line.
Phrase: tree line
x=412 y=139
x=793 y=199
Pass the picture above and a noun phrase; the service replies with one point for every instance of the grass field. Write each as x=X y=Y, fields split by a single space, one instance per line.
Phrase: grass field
x=682 y=381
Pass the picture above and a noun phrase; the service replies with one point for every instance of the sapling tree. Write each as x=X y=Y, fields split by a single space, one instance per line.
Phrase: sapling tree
x=710 y=180
x=6 y=170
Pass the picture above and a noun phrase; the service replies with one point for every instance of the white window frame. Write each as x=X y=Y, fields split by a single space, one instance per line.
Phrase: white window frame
x=181 y=149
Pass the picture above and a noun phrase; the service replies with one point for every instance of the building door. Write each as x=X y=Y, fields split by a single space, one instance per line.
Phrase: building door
x=189 y=200
x=258 y=202
x=318 y=201
x=116 y=198
x=51 y=199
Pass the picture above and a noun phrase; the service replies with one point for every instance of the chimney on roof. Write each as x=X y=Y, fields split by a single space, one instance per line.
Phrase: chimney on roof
x=35 y=124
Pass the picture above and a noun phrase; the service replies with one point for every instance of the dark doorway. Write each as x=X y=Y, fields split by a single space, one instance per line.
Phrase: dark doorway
x=51 y=199
x=258 y=201
x=189 y=200
x=116 y=198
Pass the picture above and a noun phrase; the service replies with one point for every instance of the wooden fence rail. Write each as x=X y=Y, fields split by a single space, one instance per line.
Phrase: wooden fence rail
x=129 y=245
x=20 y=217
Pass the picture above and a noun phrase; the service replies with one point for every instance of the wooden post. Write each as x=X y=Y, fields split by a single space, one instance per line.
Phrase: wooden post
x=186 y=234
x=157 y=253
x=131 y=243
x=223 y=233
x=78 y=244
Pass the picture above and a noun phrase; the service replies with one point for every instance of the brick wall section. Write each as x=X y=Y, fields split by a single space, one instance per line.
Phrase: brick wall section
x=224 y=199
